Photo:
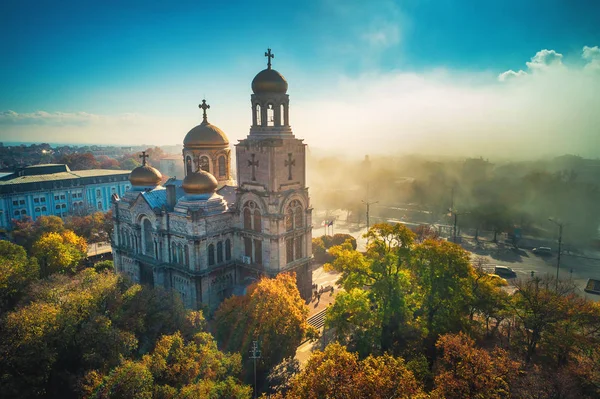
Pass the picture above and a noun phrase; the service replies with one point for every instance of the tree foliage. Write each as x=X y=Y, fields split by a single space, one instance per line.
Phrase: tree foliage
x=464 y=371
x=17 y=271
x=59 y=252
x=337 y=373
x=272 y=312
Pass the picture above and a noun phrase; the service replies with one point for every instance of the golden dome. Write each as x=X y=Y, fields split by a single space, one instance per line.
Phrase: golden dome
x=145 y=175
x=200 y=182
x=205 y=135
x=269 y=81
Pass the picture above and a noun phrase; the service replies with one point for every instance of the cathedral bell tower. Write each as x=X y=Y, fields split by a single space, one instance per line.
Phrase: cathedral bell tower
x=271 y=174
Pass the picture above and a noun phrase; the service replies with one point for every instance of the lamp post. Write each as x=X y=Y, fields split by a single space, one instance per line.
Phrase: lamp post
x=368 y=204
x=560 y=229
x=455 y=214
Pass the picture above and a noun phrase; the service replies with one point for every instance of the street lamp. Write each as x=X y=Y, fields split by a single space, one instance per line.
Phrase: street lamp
x=560 y=229
x=455 y=214
x=368 y=204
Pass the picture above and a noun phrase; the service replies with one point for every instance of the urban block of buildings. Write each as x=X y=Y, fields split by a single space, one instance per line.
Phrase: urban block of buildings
x=207 y=236
x=53 y=189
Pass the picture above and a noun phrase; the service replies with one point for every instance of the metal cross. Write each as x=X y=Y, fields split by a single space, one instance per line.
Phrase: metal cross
x=144 y=156
x=269 y=55
x=204 y=106
x=289 y=163
x=254 y=164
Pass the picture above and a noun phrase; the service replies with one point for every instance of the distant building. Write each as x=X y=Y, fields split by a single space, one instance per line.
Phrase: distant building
x=53 y=189
x=171 y=166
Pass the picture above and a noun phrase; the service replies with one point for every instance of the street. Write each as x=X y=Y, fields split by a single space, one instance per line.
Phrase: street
x=522 y=261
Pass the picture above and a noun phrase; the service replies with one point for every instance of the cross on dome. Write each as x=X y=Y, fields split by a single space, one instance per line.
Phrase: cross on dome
x=144 y=156
x=204 y=106
x=269 y=55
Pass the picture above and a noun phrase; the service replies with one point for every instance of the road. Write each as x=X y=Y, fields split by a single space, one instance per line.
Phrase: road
x=522 y=261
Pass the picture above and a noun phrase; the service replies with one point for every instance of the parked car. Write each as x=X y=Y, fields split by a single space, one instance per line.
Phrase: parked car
x=504 y=271
x=542 y=251
x=593 y=286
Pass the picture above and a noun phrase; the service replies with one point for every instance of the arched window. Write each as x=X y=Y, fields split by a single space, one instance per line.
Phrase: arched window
x=211 y=255
x=23 y=212
x=188 y=165
x=174 y=254
x=282 y=115
x=64 y=206
x=43 y=209
x=247 y=219
x=258 y=252
x=16 y=213
x=148 y=241
x=219 y=252
x=205 y=164
x=37 y=209
x=222 y=166
x=294 y=216
x=257 y=115
x=99 y=205
x=257 y=221
x=227 y=249
x=270 y=115
x=252 y=217
x=58 y=207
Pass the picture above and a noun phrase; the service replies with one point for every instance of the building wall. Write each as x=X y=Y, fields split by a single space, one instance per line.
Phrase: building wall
x=59 y=202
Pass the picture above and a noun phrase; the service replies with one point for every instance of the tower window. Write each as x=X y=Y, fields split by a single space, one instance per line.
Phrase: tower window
x=257 y=115
x=188 y=165
x=227 y=249
x=282 y=115
x=222 y=166
x=219 y=252
x=205 y=164
x=270 y=115
x=258 y=252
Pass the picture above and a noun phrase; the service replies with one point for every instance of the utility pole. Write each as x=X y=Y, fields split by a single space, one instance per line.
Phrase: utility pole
x=368 y=204
x=255 y=354
x=455 y=214
x=560 y=230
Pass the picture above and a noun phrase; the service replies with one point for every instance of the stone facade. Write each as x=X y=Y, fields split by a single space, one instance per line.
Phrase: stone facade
x=211 y=245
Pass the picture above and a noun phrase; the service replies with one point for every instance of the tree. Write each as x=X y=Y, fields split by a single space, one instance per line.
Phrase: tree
x=95 y=227
x=17 y=271
x=104 y=265
x=129 y=163
x=78 y=161
x=465 y=371
x=425 y=232
x=443 y=278
x=271 y=312
x=59 y=252
x=337 y=373
x=339 y=239
x=26 y=232
x=384 y=270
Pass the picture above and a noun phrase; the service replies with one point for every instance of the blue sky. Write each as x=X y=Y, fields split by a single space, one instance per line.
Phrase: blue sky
x=157 y=59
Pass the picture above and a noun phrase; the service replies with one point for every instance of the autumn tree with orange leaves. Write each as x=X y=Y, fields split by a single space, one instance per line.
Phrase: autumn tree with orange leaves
x=272 y=313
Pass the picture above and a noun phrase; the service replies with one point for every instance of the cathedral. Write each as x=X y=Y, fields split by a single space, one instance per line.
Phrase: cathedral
x=207 y=236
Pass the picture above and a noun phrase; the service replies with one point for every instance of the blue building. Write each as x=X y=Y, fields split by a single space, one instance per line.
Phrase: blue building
x=53 y=189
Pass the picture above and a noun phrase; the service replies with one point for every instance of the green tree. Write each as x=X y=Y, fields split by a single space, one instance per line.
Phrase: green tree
x=384 y=271
x=26 y=232
x=17 y=271
x=443 y=278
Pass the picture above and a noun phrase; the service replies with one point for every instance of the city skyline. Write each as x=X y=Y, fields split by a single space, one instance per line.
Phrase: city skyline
x=407 y=73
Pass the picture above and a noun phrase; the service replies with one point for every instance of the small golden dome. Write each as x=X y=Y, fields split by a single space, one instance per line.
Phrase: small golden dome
x=200 y=182
x=205 y=135
x=269 y=81
x=145 y=175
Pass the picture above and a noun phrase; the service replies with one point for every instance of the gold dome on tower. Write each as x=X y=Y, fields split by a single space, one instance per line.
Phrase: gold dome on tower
x=145 y=175
x=269 y=80
x=199 y=182
x=205 y=134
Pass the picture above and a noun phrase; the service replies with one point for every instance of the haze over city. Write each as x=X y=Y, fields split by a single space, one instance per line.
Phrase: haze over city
x=509 y=79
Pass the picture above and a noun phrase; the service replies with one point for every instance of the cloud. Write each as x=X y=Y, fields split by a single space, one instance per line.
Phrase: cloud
x=65 y=118
x=384 y=36
x=510 y=74
x=592 y=55
x=545 y=59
